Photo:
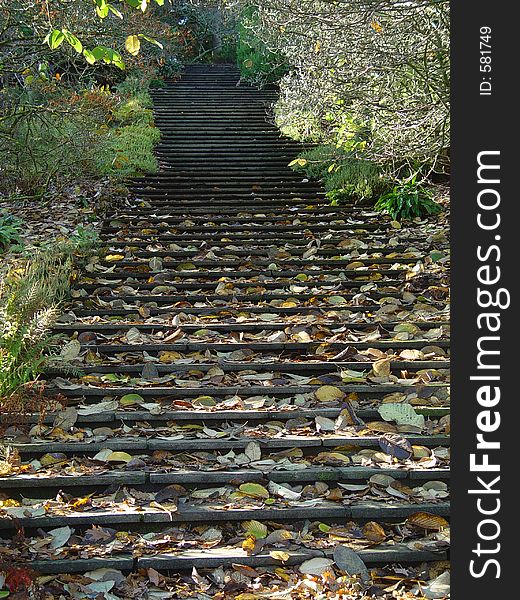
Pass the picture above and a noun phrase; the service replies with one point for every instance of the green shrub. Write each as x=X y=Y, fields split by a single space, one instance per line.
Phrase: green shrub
x=85 y=239
x=345 y=178
x=38 y=147
x=129 y=151
x=133 y=111
x=407 y=201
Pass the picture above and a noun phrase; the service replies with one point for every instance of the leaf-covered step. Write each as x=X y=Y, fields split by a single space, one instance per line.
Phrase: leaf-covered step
x=187 y=560
x=207 y=477
x=215 y=512
x=179 y=443
x=154 y=327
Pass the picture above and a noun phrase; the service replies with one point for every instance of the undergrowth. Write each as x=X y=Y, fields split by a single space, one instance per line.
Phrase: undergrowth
x=31 y=290
x=10 y=229
x=344 y=177
x=56 y=135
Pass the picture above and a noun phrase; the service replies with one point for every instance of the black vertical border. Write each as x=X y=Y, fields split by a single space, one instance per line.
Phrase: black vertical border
x=482 y=123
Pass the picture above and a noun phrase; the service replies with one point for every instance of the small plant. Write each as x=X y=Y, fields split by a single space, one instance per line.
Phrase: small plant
x=85 y=238
x=407 y=201
x=10 y=229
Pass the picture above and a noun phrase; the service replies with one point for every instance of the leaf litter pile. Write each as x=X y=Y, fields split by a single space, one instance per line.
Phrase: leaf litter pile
x=252 y=402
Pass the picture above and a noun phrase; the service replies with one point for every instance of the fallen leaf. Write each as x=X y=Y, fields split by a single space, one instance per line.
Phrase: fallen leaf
x=402 y=414
x=316 y=566
x=329 y=393
x=426 y=520
x=60 y=537
x=349 y=561
x=395 y=445
x=254 y=490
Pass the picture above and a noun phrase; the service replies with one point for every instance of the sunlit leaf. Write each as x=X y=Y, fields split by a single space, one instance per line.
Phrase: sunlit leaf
x=132 y=45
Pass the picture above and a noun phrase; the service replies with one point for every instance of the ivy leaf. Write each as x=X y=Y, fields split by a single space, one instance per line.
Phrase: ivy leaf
x=132 y=45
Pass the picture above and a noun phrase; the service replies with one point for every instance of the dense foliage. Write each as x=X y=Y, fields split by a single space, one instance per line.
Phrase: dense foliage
x=65 y=111
x=370 y=77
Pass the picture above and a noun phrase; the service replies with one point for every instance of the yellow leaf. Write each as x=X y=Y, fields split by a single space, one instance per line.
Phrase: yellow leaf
x=114 y=257
x=376 y=26
x=119 y=457
x=279 y=555
x=254 y=490
x=9 y=503
x=168 y=357
x=248 y=545
x=80 y=502
x=329 y=393
x=132 y=45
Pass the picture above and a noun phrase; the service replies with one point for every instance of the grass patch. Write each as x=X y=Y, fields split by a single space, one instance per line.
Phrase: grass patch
x=129 y=151
x=128 y=146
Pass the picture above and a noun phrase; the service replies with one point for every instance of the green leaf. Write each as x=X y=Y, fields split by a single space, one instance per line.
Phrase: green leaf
x=255 y=529
x=55 y=39
x=102 y=8
x=89 y=56
x=114 y=10
x=159 y=2
x=4 y=594
x=132 y=45
x=254 y=490
x=72 y=40
x=111 y=56
x=131 y=399
x=151 y=40
x=99 y=52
